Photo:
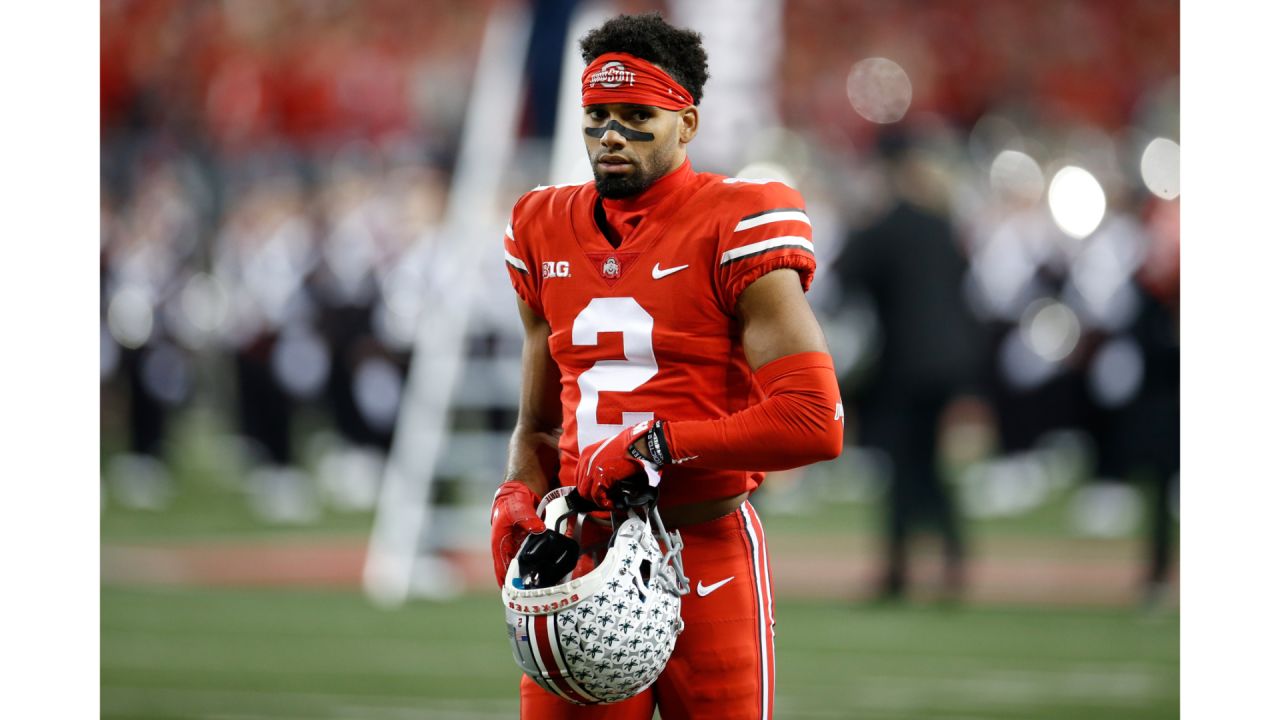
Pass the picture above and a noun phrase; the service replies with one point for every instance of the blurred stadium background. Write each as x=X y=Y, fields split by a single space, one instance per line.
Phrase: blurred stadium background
x=310 y=355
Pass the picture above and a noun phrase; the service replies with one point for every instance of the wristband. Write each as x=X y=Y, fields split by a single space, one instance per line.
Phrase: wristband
x=656 y=441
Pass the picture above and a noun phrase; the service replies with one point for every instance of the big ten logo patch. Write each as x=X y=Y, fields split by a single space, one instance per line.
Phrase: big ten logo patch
x=555 y=269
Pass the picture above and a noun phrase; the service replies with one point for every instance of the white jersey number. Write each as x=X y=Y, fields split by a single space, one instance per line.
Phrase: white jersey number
x=624 y=315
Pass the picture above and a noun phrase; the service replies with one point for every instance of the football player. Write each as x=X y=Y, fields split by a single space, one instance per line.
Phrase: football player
x=667 y=334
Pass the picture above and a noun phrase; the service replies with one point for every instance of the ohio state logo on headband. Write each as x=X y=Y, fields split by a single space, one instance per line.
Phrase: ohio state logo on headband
x=625 y=78
x=613 y=75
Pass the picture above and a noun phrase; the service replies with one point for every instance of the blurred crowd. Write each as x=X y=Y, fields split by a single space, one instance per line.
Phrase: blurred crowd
x=274 y=176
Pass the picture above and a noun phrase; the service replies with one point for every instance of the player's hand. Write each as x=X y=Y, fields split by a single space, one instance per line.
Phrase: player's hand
x=604 y=464
x=513 y=518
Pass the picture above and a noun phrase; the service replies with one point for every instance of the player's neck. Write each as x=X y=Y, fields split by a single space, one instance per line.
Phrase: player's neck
x=653 y=194
x=617 y=218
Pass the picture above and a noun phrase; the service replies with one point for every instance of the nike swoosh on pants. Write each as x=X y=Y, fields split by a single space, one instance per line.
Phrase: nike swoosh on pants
x=705 y=590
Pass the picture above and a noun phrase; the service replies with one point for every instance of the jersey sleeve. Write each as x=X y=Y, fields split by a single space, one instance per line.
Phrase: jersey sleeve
x=520 y=264
x=767 y=230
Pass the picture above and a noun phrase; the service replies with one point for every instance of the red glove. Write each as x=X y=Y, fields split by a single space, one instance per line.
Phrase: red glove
x=513 y=518
x=603 y=464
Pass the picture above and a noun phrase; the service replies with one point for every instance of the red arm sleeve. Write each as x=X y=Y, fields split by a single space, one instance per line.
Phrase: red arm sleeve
x=800 y=421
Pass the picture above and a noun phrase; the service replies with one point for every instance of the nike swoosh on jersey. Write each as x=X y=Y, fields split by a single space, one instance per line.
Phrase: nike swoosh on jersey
x=659 y=273
x=705 y=590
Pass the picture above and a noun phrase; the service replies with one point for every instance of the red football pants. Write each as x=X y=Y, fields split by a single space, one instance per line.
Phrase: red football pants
x=722 y=666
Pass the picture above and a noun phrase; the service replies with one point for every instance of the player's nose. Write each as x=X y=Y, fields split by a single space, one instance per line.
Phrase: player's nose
x=612 y=139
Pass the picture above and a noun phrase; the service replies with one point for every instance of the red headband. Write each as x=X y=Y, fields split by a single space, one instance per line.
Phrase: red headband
x=622 y=78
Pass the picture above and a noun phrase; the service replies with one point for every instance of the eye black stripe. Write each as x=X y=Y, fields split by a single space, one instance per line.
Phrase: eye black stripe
x=624 y=131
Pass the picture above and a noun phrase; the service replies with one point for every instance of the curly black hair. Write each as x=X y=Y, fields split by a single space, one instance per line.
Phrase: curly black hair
x=676 y=50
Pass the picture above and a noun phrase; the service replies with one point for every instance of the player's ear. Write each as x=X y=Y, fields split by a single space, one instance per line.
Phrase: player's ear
x=688 y=123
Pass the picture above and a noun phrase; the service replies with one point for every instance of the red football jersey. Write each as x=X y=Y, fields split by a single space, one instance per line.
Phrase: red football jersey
x=649 y=330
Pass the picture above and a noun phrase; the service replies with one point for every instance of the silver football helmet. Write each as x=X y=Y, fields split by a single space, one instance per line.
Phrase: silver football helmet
x=605 y=636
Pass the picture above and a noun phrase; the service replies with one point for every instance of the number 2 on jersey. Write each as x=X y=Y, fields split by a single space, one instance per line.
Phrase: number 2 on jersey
x=616 y=314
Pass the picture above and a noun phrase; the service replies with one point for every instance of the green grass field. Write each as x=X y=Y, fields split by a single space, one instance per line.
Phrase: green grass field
x=246 y=654
x=253 y=653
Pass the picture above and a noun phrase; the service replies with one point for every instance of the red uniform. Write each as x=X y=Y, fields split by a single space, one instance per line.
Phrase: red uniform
x=649 y=330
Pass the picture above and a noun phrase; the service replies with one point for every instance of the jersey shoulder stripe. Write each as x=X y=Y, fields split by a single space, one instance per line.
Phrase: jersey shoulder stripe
x=516 y=262
x=765 y=217
x=540 y=188
x=764 y=246
x=754 y=181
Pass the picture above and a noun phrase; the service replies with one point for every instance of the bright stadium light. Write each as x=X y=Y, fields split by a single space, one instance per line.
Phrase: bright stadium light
x=1076 y=201
x=1017 y=175
x=879 y=90
x=1160 y=168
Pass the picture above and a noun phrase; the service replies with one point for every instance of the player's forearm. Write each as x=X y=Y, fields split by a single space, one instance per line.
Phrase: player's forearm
x=534 y=458
x=799 y=422
x=534 y=454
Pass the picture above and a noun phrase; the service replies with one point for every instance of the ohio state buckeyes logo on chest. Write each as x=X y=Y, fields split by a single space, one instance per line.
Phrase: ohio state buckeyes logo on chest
x=612 y=265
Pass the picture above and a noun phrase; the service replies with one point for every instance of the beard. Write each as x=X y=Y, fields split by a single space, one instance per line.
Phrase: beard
x=622 y=186
x=631 y=184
